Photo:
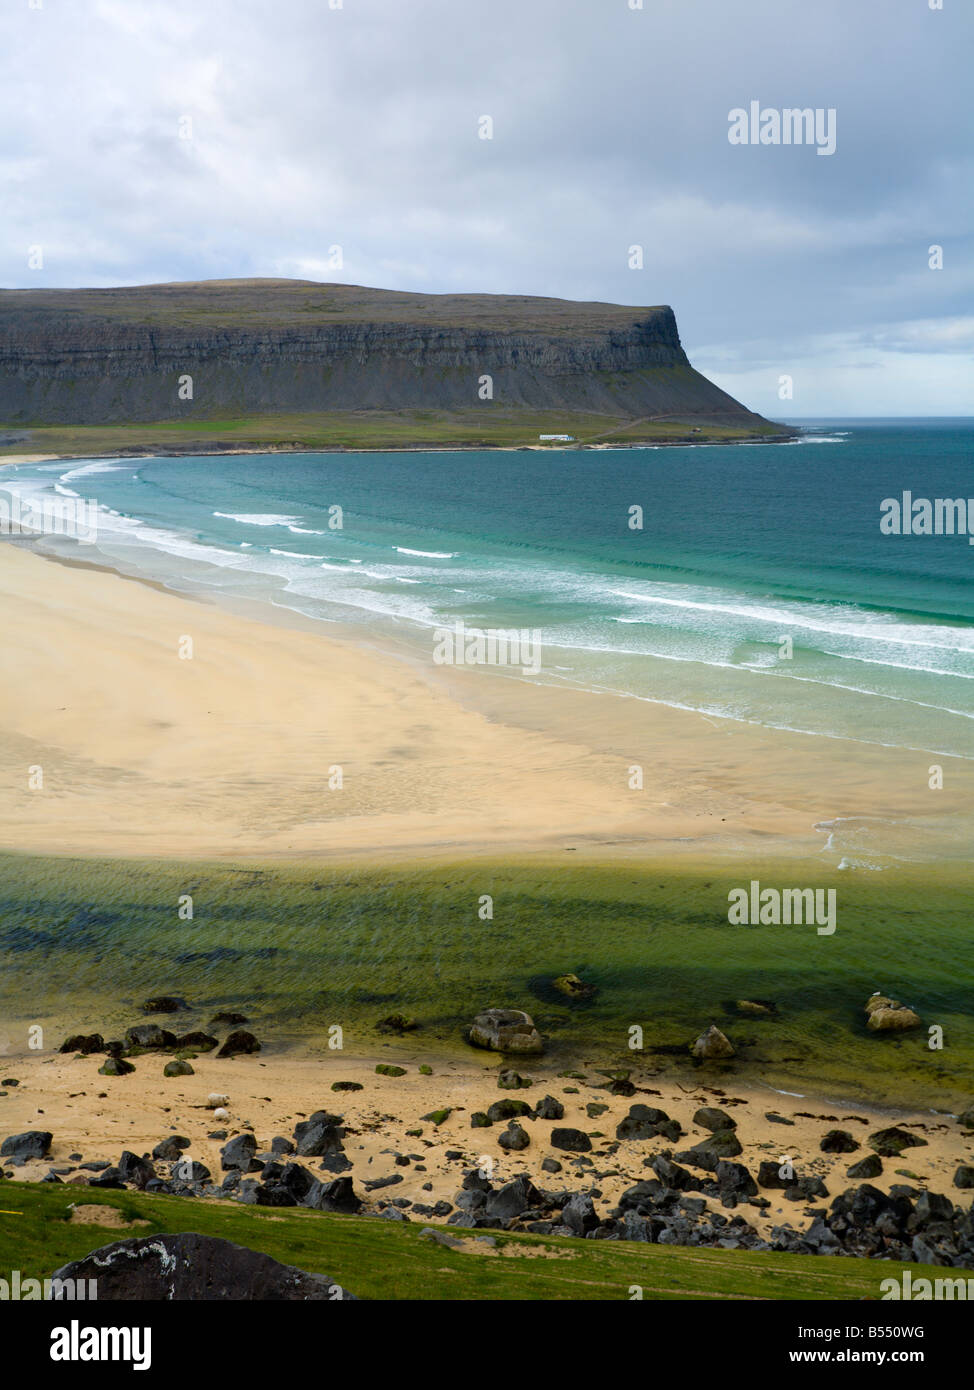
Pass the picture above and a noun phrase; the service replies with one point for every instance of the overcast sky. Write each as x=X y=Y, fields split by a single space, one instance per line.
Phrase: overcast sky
x=359 y=126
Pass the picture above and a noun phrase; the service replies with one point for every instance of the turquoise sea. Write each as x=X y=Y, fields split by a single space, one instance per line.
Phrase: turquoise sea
x=759 y=587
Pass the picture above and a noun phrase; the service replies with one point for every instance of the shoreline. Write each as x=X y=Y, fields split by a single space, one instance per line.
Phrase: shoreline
x=719 y=786
x=459 y=447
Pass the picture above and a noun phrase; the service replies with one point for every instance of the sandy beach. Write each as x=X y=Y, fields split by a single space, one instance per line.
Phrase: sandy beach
x=99 y=1117
x=171 y=727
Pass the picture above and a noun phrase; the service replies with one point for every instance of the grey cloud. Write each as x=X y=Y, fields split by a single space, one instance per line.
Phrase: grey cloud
x=357 y=126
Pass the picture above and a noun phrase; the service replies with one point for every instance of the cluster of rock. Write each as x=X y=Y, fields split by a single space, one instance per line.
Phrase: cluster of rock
x=166 y=1171
x=683 y=1200
x=151 y=1038
x=673 y=1207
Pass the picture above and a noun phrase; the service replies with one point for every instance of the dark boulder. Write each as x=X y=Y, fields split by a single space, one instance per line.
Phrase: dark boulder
x=337 y=1195
x=838 y=1141
x=134 y=1169
x=33 y=1143
x=188 y=1170
x=474 y=1181
x=671 y=1175
x=859 y=1206
x=571 y=1141
x=642 y=1197
x=869 y=1167
x=549 y=1108
x=170 y=1148
x=636 y=1227
x=931 y=1206
x=514 y=1138
x=646 y=1122
x=470 y=1203
x=190 y=1267
x=335 y=1163
x=239 y=1043
x=177 y=1067
x=622 y=1086
x=821 y=1238
x=805 y=1188
x=238 y=1155
x=513 y=1199
x=115 y=1066
x=769 y=1175
x=734 y=1179
x=85 y=1043
x=708 y=1153
x=273 y=1195
x=890 y=1143
x=320 y=1134
x=507 y=1109
x=709 y=1117
x=296 y=1180
x=510 y=1080
x=110 y=1178
x=578 y=1214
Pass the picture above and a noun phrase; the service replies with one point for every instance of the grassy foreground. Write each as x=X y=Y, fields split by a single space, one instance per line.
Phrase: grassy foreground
x=377 y=1259
x=374 y=429
x=301 y=947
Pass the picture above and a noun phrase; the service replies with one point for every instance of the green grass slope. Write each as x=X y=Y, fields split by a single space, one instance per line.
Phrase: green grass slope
x=377 y=1259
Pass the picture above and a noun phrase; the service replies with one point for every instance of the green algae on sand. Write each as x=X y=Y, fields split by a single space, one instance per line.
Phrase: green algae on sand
x=302 y=947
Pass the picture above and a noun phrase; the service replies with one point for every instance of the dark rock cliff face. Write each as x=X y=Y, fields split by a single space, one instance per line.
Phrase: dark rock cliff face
x=101 y=356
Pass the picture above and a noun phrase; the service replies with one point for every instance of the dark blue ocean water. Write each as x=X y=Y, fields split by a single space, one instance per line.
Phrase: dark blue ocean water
x=745 y=554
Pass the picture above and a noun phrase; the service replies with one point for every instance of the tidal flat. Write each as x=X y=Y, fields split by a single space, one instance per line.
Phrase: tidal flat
x=302 y=948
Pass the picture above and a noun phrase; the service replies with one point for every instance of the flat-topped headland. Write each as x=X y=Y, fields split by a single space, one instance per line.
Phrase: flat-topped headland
x=293 y=363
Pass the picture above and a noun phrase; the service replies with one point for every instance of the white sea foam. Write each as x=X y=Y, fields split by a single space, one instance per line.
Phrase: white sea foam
x=817 y=439
x=428 y=554
x=98 y=466
x=257 y=518
x=864 y=627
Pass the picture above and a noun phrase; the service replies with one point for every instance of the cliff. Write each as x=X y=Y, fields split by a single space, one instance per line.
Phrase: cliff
x=95 y=357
